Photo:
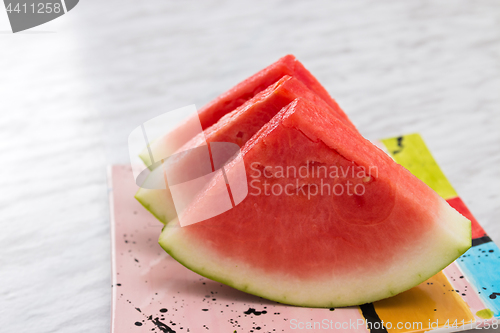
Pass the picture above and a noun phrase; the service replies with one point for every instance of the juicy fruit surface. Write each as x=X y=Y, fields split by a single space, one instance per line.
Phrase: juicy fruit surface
x=239 y=95
x=236 y=127
x=321 y=250
x=159 y=202
x=258 y=82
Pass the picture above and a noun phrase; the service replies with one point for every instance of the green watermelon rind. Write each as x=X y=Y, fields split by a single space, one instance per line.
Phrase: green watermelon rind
x=144 y=154
x=151 y=200
x=458 y=243
x=157 y=202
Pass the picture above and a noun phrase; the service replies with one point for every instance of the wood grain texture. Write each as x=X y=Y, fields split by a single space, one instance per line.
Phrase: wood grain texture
x=73 y=89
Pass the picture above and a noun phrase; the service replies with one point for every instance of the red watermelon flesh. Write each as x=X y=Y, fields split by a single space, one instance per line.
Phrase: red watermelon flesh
x=237 y=96
x=241 y=124
x=247 y=89
x=320 y=250
x=236 y=127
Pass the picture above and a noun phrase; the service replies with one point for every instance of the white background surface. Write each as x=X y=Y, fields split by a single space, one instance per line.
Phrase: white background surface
x=72 y=90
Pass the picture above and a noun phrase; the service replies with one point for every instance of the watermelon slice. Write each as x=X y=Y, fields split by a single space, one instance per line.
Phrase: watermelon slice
x=236 y=127
x=237 y=96
x=364 y=230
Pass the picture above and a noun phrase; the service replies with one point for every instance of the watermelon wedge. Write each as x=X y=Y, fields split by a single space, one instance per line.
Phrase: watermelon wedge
x=237 y=96
x=330 y=219
x=236 y=127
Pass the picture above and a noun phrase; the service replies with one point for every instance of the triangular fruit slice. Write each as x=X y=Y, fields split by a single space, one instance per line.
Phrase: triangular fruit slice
x=330 y=220
x=245 y=90
x=236 y=127
x=237 y=96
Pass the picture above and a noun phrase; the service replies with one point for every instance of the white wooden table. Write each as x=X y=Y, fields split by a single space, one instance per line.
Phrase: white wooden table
x=71 y=91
